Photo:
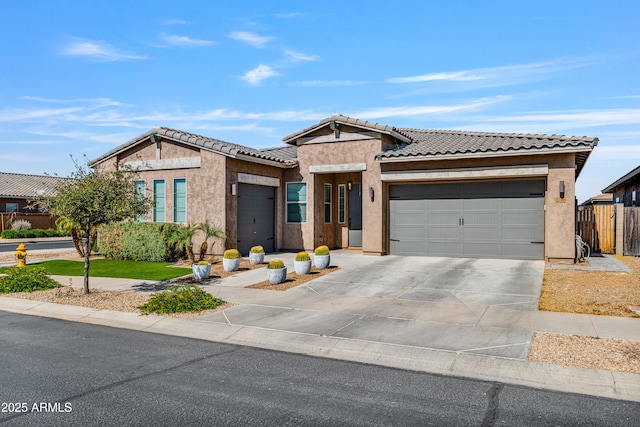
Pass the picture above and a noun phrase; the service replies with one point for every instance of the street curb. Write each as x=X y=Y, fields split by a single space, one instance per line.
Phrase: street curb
x=560 y=378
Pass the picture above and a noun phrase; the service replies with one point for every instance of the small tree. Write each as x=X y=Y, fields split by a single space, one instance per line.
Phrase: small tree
x=93 y=198
x=209 y=231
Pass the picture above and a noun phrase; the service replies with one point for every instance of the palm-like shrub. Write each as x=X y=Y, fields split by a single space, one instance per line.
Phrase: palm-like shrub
x=209 y=231
x=21 y=224
x=181 y=240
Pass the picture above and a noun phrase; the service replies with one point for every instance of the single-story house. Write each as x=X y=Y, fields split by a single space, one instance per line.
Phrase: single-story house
x=17 y=190
x=599 y=200
x=626 y=190
x=345 y=182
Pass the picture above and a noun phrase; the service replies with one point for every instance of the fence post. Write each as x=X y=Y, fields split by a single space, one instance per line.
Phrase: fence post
x=619 y=228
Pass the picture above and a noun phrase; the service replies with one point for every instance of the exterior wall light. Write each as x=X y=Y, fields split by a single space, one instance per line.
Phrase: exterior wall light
x=371 y=193
x=562 y=189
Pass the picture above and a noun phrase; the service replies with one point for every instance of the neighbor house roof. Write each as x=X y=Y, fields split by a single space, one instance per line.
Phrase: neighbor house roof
x=23 y=186
x=621 y=181
x=442 y=144
x=599 y=199
x=225 y=148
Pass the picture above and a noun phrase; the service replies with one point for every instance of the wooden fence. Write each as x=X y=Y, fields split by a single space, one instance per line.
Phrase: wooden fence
x=37 y=220
x=632 y=231
x=596 y=227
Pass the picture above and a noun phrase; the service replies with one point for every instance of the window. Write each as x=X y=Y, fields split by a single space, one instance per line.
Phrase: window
x=327 y=203
x=296 y=202
x=141 y=191
x=633 y=197
x=341 y=203
x=158 y=200
x=12 y=207
x=180 y=200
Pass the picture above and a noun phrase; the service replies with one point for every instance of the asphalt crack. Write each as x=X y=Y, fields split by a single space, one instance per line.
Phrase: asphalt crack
x=493 y=406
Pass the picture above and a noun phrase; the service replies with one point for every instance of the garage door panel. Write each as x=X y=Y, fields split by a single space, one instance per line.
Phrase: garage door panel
x=479 y=219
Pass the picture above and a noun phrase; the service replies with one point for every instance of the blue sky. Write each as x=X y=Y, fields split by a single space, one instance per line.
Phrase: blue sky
x=81 y=77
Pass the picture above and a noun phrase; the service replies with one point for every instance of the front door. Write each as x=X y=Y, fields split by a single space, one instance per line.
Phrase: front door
x=255 y=217
x=355 y=216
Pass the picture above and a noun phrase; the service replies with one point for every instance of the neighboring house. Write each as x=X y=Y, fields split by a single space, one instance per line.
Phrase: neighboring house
x=626 y=190
x=346 y=182
x=599 y=200
x=18 y=190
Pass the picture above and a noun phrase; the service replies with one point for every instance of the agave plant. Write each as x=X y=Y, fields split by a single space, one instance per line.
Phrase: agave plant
x=181 y=240
x=209 y=231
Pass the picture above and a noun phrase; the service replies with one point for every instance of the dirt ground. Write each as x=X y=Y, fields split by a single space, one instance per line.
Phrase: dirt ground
x=294 y=280
x=592 y=292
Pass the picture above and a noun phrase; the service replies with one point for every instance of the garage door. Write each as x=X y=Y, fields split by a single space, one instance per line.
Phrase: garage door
x=255 y=217
x=502 y=219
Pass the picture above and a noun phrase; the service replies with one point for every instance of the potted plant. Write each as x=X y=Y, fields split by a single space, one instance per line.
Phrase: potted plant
x=302 y=263
x=322 y=257
x=276 y=271
x=231 y=260
x=201 y=270
x=256 y=255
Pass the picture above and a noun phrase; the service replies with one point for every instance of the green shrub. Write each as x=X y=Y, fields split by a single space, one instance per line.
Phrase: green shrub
x=10 y=234
x=177 y=299
x=22 y=279
x=303 y=256
x=275 y=264
x=137 y=241
x=322 y=250
x=257 y=250
x=51 y=233
x=39 y=233
x=231 y=254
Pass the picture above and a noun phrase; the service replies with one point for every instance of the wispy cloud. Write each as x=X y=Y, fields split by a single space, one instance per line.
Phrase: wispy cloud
x=183 y=41
x=258 y=74
x=625 y=97
x=31 y=114
x=250 y=38
x=425 y=110
x=173 y=22
x=328 y=83
x=289 y=15
x=98 y=102
x=99 y=51
x=296 y=56
x=497 y=76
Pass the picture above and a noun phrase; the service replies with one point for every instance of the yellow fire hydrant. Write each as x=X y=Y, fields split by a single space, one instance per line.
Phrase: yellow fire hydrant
x=21 y=254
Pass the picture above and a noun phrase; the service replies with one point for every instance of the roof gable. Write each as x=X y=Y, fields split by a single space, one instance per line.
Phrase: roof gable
x=634 y=174
x=211 y=144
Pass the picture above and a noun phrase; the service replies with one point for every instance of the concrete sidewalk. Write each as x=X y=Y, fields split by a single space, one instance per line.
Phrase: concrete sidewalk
x=488 y=341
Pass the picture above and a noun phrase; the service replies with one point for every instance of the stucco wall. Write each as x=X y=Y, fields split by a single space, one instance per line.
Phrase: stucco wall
x=344 y=151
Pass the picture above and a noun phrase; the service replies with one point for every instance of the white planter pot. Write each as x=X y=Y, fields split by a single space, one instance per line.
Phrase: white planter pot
x=276 y=275
x=302 y=267
x=322 y=261
x=256 y=259
x=201 y=272
x=230 y=264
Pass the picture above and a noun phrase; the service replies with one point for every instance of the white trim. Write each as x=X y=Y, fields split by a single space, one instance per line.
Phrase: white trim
x=467 y=173
x=343 y=167
x=479 y=155
x=164 y=164
x=247 y=178
x=344 y=136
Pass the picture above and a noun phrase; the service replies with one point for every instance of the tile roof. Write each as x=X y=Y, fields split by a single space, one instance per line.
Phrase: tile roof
x=286 y=152
x=430 y=144
x=216 y=145
x=23 y=186
x=340 y=119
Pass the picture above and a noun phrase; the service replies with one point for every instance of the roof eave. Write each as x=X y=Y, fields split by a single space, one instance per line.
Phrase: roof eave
x=621 y=181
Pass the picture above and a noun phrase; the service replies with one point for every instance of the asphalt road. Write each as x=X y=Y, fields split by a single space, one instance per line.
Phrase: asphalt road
x=55 y=372
x=33 y=246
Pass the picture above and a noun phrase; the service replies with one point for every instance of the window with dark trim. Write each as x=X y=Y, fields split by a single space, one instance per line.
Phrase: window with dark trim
x=327 y=203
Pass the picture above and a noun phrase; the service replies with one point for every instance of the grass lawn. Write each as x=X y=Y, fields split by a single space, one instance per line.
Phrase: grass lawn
x=108 y=268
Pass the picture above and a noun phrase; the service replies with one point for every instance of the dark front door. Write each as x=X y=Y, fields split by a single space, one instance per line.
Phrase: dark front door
x=355 y=216
x=255 y=217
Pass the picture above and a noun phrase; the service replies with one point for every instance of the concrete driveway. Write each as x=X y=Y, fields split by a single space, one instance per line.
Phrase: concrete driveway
x=461 y=305
x=512 y=283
